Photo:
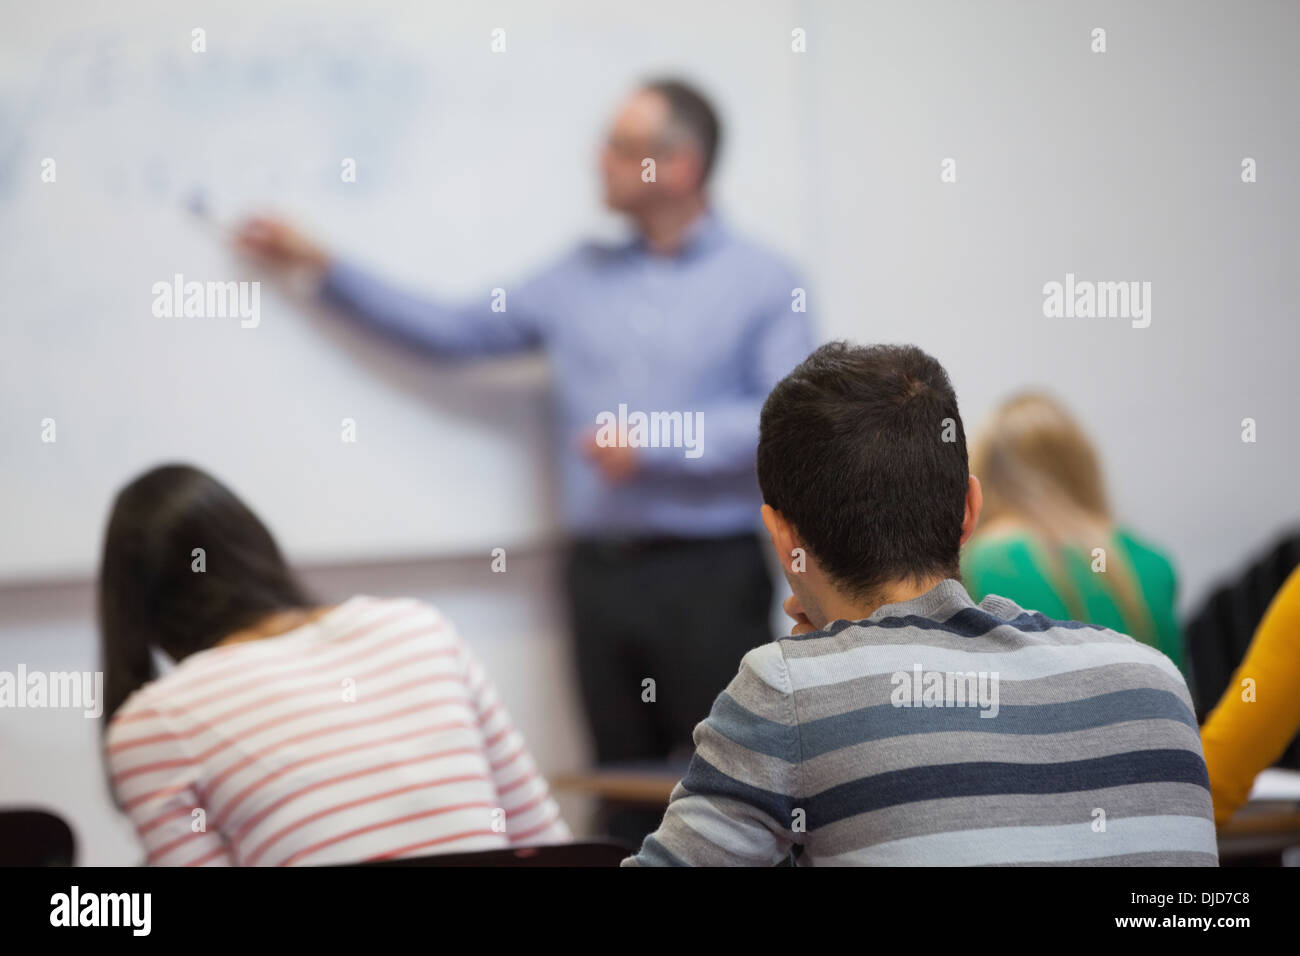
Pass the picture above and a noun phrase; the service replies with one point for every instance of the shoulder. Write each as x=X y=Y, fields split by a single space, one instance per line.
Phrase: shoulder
x=382 y=616
x=142 y=703
x=838 y=652
x=1149 y=560
x=1084 y=645
x=759 y=251
x=588 y=255
x=1280 y=626
x=757 y=709
x=989 y=560
x=771 y=271
x=361 y=607
x=1289 y=593
x=767 y=663
x=146 y=713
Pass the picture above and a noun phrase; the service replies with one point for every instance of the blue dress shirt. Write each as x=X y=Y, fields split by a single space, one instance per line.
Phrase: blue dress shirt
x=709 y=329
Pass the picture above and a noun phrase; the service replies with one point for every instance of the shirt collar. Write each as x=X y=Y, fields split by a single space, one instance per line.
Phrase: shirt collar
x=948 y=594
x=703 y=235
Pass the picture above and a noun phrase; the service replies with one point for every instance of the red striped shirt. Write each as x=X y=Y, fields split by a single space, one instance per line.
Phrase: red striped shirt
x=371 y=733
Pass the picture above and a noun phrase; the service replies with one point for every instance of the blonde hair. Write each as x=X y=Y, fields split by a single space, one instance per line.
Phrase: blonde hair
x=1038 y=469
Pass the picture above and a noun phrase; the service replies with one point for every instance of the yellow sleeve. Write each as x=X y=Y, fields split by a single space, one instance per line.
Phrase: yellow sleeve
x=1241 y=737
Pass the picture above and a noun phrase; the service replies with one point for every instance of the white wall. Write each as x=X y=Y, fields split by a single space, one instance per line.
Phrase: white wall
x=1124 y=165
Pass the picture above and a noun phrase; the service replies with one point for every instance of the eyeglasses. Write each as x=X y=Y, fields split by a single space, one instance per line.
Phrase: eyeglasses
x=638 y=149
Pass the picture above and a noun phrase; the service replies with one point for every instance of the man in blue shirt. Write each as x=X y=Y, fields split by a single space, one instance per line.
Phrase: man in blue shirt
x=662 y=352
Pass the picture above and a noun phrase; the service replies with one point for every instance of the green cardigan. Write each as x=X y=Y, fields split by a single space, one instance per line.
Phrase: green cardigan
x=1015 y=566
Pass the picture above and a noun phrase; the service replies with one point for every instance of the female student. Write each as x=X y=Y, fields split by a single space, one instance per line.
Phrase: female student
x=1046 y=537
x=1259 y=712
x=290 y=732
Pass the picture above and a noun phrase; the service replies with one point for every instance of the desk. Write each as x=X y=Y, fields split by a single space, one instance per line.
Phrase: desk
x=1259 y=832
x=643 y=784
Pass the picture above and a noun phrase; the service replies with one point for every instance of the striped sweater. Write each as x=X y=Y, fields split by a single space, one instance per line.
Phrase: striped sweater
x=369 y=734
x=939 y=731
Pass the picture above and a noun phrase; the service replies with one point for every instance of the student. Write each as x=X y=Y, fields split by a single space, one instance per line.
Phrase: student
x=901 y=722
x=290 y=732
x=1046 y=514
x=1251 y=726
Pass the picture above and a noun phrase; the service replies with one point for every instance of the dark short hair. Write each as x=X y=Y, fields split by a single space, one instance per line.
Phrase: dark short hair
x=852 y=452
x=695 y=114
x=149 y=595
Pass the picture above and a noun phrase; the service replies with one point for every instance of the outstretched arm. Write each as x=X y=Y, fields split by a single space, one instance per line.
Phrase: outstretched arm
x=494 y=325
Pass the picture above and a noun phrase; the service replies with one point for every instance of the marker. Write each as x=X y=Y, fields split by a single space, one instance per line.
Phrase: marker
x=201 y=209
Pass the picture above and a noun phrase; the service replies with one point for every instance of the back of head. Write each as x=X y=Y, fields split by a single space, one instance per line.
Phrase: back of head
x=157 y=590
x=863 y=451
x=1037 y=467
x=691 y=117
x=1041 y=474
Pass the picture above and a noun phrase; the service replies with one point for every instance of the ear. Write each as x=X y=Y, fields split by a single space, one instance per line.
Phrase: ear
x=781 y=533
x=685 y=168
x=974 y=502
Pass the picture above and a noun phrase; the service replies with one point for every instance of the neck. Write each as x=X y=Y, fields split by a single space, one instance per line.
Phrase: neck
x=843 y=608
x=273 y=624
x=666 y=224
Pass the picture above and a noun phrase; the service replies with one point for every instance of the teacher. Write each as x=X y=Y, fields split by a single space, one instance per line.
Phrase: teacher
x=665 y=576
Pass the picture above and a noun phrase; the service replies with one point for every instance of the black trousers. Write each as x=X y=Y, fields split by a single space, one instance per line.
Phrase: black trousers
x=680 y=612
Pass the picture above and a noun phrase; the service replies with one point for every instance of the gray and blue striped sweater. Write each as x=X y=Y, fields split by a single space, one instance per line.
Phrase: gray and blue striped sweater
x=943 y=732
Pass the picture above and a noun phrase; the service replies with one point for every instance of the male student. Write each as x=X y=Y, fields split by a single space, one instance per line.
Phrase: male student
x=688 y=318
x=900 y=722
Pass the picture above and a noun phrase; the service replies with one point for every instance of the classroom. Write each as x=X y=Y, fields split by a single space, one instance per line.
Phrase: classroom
x=576 y=435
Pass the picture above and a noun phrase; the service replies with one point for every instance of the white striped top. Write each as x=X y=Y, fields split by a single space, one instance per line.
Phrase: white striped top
x=371 y=733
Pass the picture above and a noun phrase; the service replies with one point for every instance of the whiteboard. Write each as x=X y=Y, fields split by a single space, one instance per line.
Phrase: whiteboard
x=472 y=169
x=475 y=168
